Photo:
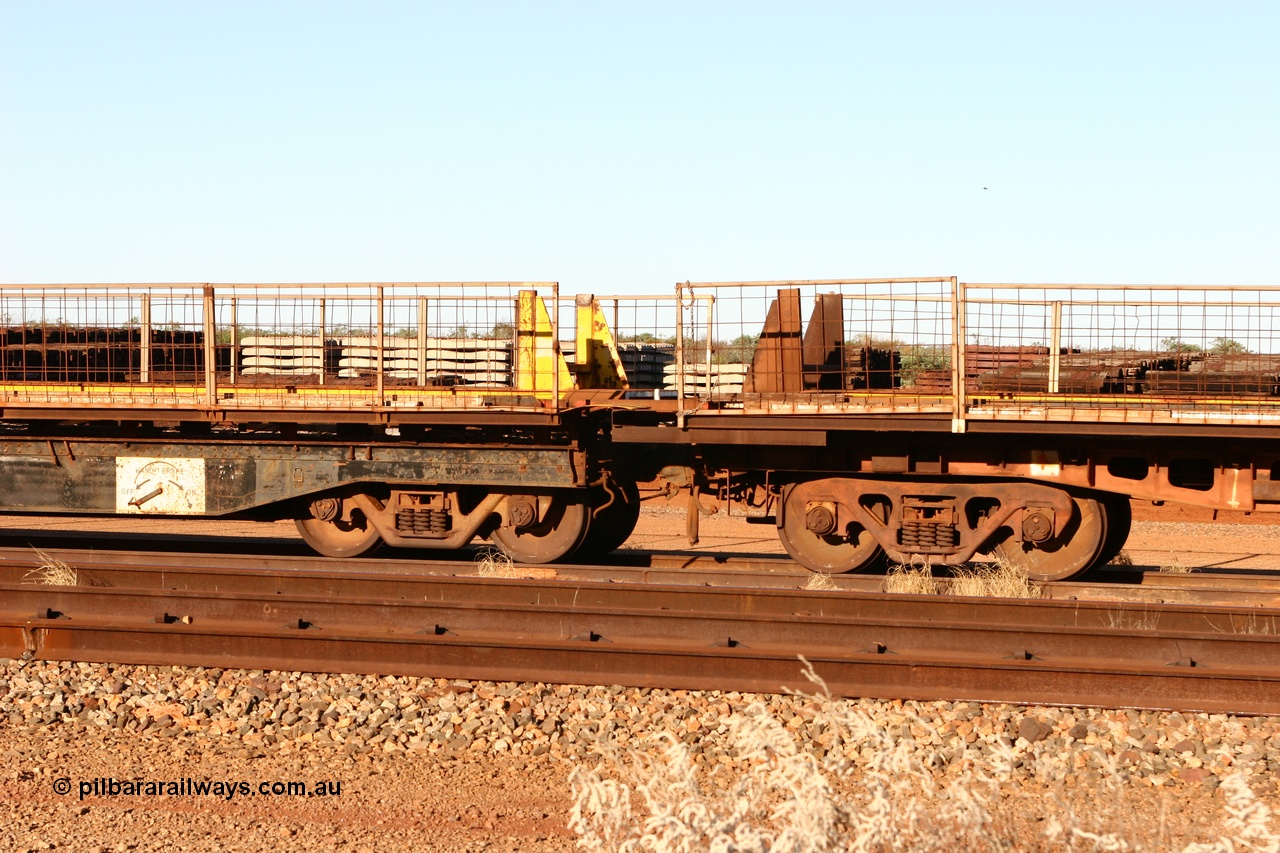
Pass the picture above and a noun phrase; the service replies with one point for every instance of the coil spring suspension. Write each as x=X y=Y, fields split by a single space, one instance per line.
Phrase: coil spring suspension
x=422 y=522
x=923 y=536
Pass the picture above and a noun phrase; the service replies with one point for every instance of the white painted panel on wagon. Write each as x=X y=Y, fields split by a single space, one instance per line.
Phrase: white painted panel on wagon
x=159 y=486
x=1045 y=463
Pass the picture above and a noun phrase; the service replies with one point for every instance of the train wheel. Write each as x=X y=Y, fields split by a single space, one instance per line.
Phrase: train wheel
x=326 y=532
x=1119 y=520
x=608 y=530
x=1065 y=556
x=562 y=528
x=852 y=550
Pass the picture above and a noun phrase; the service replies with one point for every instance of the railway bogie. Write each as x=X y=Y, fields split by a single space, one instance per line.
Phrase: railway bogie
x=906 y=420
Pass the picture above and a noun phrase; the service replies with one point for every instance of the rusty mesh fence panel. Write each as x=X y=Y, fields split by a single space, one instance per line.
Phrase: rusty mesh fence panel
x=413 y=345
x=336 y=346
x=60 y=344
x=847 y=344
x=1117 y=347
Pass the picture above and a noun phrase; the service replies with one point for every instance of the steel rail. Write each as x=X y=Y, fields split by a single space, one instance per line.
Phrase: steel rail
x=268 y=566
x=1218 y=659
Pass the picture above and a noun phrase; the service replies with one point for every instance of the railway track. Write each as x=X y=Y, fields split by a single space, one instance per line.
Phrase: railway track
x=691 y=626
x=103 y=560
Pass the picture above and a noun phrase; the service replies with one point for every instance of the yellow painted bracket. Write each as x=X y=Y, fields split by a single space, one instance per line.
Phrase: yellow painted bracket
x=538 y=359
x=597 y=363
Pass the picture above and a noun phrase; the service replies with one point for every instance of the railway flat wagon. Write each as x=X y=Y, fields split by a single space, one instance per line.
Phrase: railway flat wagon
x=909 y=418
x=932 y=419
x=418 y=415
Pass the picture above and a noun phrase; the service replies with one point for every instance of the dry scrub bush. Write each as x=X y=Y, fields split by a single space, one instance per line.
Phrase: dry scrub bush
x=871 y=788
x=1248 y=823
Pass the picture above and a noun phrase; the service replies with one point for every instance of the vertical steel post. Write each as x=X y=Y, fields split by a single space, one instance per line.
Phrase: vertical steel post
x=1055 y=348
x=679 y=356
x=422 y=341
x=555 y=345
x=957 y=355
x=711 y=305
x=235 y=343
x=144 y=362
x=381 y=320
x=324 y=335
x=210 y=349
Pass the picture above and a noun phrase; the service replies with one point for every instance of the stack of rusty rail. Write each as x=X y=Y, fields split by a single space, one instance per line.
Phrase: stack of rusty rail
x=66 y=353
x=1218 y=374
x=872 y=368
x=645 y=362
x=1139 y=372
x=981 y=360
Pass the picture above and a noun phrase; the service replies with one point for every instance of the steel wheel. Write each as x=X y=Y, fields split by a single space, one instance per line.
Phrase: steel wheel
x=562 y=528
x=608 y=530
x=853 y=549
x=332 y=537
x=1065 y=556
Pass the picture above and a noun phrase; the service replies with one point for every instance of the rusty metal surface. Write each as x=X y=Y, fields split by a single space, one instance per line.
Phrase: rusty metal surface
x=963 y=535
x=1235 y=472
x=1165 y=656
x=271 y=565
x=1138 y=354
x=868 y=674
x=219 y=477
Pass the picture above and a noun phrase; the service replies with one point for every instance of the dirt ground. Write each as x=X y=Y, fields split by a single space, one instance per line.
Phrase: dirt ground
x=1168 y=535
x=412 y=801
x=1161 y=536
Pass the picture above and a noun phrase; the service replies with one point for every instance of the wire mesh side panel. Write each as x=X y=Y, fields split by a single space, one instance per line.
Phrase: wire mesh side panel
x=276 y=341
x=644 y=332
x=334 y=346
x=883 y=344
x=406 y=346
x=62 y=345
x=1173 y=350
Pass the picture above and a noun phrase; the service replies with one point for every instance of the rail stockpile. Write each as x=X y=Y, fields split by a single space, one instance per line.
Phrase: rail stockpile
x=901 y=418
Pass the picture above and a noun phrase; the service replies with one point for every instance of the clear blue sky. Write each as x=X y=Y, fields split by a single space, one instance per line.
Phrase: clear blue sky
x=620 y=147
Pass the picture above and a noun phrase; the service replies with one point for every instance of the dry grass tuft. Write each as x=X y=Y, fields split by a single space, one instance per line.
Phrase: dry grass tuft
x=911 y=579
x=492 y=563
x=1146 y=620
x=998 y=579
x=1174 y=567
x=820 y=581
x=52 y=572
x=1253 y=623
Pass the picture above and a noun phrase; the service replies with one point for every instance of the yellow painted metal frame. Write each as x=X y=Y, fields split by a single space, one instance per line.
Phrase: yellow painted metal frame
x=597 y=362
